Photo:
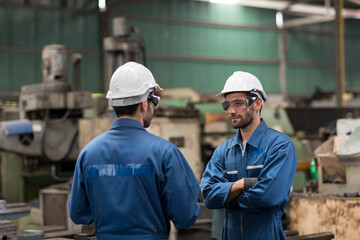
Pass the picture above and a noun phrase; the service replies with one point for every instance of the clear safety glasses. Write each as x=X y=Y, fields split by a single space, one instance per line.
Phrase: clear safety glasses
x=154 y=100
x=238 y=103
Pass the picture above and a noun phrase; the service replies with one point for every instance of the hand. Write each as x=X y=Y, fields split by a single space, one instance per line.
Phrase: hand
x=236 y=189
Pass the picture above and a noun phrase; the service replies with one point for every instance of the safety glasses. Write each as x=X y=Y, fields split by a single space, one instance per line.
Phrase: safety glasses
x=154 y=100
x=238 y=103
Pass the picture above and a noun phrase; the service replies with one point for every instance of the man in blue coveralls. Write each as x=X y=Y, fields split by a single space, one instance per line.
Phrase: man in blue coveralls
x=249 y=175
x=128 y=182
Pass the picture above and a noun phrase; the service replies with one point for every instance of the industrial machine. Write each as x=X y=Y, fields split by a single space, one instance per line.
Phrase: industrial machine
x=12 y=211
x=40 y=148
x=126 y=45
x=42 y=144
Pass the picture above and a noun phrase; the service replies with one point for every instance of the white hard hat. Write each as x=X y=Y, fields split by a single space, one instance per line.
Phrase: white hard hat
x=131 y=83
x=243 y=82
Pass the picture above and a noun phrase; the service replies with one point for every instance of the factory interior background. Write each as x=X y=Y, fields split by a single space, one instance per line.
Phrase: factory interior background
x=305 y=53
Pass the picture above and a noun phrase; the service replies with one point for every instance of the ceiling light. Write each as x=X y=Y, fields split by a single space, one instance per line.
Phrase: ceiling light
x=102 y=5
x=279 y=20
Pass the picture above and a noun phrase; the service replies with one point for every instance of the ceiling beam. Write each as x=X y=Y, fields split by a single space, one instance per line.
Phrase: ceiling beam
x=318 y=19
x=287 y=8
x=339 y=54
x=294 y=8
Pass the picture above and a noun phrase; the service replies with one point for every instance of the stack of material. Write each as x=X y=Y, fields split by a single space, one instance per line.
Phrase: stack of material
x=350 y=153
x=339 y=160
x=7 y=213
x=330 y=167
x=7 y=229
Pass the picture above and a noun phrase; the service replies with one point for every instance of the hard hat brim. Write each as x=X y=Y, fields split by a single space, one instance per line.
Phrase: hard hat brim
x=262 y=94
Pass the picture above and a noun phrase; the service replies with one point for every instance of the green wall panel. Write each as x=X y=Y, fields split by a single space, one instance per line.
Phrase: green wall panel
x=317 y=28
x=5 y=71
x=352 y=51
x=49 y=28
x=305 y=79
x=84 y=33
x=189 y=44
x=352 y=26
x=5 y=34
x=310 y=47
x=208 y=41
x=91 y=74
x=25 y=68
x=208 y=77
x=26 y=31
x=197 y=10
x=17 y=69
x=352 y=79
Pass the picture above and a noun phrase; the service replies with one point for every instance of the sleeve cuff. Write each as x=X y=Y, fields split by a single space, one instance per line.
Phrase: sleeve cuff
x=244 y=202
x=226 y=190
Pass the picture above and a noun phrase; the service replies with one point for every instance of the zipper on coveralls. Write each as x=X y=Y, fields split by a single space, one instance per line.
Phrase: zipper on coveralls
x=243 y=147
x=241 y=225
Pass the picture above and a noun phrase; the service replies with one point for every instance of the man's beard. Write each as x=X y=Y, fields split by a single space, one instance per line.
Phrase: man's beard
x=246 y=120
x=149 y=116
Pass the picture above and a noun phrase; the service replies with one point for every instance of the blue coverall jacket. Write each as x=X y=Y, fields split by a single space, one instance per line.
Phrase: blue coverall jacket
x=268 y=155
x=130 y=183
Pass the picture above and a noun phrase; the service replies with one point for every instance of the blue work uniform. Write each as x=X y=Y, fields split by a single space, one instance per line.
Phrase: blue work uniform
x=130 y=183
x=256 y=214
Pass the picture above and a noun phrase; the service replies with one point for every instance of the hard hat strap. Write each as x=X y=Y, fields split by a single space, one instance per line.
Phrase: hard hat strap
x=257 y=94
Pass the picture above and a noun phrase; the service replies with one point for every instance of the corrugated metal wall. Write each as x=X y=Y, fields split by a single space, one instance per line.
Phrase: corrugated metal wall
x=311 y=57
x=189 y=44
x=25 y=31
x=200 y=44
x=197 y=44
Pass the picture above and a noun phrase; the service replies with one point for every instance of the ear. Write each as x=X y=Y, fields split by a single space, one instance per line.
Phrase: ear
x=143 y=106
x=258 y=104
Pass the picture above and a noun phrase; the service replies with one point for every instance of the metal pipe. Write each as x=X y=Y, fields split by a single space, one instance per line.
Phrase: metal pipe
x=320 y=19
x=339 y=54
x=283 y=62
x=292 y=3
x=171 y=20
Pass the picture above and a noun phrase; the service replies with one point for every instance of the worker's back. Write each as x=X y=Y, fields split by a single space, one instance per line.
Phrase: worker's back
x=135 y=183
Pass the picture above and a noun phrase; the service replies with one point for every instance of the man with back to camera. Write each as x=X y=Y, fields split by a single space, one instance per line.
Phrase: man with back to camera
x=249 y=175
x=127 y=181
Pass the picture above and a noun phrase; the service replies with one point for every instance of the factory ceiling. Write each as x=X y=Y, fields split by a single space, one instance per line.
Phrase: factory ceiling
x=309 y=11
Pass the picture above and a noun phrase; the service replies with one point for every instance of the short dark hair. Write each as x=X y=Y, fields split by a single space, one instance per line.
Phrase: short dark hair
x=249 y=94
x=126 y=110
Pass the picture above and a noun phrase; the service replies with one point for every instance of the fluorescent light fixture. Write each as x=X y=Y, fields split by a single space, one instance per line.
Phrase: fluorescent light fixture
x=102 y=5
x=227 y=2
x=279 y=20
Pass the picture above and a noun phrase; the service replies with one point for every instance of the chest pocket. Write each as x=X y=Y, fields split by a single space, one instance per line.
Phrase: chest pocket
x=231 y=171
x=255 y=162
x=254 y=170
